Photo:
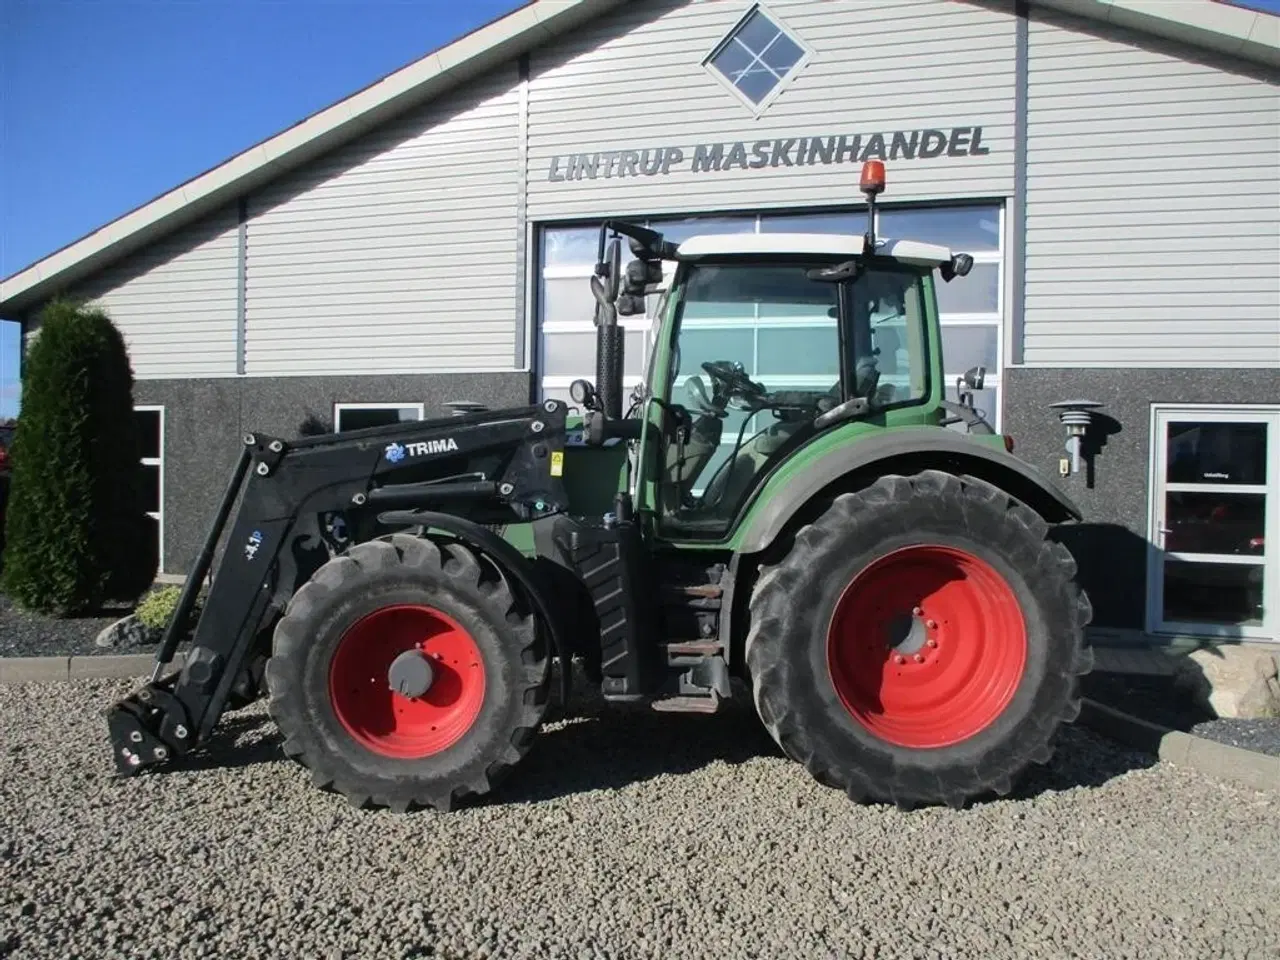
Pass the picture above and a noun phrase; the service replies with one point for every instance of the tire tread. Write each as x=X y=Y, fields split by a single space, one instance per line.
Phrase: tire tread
x=770 y=645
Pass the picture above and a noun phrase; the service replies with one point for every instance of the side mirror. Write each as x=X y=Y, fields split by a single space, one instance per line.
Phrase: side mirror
x=641 y=273
x=631 y=305
x=642 y=278
x=958 y=266
x=608 y=274
x=971 y=380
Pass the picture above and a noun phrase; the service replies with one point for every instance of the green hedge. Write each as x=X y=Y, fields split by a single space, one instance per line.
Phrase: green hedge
x=77 y=530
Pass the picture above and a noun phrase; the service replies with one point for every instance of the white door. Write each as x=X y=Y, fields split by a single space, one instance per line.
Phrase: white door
x=1215 y=522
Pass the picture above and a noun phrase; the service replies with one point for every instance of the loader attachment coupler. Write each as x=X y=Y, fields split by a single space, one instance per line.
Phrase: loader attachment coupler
x=148 y=727
x=488 y=467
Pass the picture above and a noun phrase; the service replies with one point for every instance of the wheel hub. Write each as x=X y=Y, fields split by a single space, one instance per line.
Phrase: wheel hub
x=906 y=634
x=410 y=674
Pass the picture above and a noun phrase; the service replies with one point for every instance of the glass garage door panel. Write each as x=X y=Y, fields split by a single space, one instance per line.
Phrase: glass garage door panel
x=1216 y=500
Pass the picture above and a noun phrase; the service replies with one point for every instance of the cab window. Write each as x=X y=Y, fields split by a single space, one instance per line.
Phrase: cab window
x=758 y=356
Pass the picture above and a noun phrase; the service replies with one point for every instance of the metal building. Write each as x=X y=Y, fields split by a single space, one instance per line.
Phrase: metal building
x=1112 y=165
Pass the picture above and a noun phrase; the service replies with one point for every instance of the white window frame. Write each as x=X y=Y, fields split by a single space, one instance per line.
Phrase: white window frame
x=806 y=54
x=158 y=462
x=994 y=379
x=1154 y=622
x=370 y=405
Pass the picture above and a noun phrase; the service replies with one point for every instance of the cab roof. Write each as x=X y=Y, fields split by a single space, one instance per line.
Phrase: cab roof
x=812 y=244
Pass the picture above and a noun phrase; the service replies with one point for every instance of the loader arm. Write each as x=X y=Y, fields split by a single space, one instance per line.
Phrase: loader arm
x=491 y=468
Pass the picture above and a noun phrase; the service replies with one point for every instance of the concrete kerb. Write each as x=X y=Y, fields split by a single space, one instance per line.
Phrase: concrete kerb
x=61 y=669
x=1257 y=771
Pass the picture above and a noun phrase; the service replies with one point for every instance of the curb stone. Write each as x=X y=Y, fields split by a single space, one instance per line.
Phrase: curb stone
x=93 y=667
x=1257 y=771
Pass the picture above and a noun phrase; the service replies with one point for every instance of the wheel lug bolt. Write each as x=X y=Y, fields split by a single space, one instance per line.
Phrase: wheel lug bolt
x=916 y=611
x=931 y=624
x=918 y=659
x=931 y=643
x=899 y=659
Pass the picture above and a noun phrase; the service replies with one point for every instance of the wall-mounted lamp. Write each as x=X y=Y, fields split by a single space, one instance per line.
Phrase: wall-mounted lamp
x=1076 y=415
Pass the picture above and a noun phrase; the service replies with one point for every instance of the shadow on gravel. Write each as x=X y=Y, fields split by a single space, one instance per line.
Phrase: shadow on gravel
x=606 y=747
x=223 y=751
x=1082 y=759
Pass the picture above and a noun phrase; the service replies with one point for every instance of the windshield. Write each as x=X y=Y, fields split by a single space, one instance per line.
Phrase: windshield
x=761 y=351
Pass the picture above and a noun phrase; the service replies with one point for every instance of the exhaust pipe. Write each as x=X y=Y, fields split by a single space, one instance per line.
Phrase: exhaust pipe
x=610 y=344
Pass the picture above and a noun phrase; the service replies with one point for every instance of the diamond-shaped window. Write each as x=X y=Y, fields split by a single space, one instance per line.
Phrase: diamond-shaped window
x=756 y=57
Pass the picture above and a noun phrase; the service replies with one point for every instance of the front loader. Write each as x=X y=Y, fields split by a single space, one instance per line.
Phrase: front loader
x=788 y=500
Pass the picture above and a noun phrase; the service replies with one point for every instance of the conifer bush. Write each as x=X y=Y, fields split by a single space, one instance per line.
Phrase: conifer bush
x=77 y=530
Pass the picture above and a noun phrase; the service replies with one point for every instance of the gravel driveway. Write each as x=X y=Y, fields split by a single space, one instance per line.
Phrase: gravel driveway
x=625 y=835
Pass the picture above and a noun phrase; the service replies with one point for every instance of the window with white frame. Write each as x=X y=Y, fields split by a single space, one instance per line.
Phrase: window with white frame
x=1212 y=570
x=150 y=420
x=361 y=416
x=757 y=58
x=971 y=308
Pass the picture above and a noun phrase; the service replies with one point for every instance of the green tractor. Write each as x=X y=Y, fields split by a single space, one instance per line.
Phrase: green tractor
x=786 y=501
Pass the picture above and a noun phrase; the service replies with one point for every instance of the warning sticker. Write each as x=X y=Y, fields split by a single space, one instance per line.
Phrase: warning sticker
x=557 y=463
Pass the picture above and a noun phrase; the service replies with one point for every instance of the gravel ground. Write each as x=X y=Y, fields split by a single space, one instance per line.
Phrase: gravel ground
x=1262 y=736
x=624 y=835
x=25 y=634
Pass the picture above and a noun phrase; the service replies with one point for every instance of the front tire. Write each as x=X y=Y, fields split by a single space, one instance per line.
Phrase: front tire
x=328 y=676
x=920 y=643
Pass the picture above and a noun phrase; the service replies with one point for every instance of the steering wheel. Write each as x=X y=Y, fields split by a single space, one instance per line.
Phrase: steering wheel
x=733 y=379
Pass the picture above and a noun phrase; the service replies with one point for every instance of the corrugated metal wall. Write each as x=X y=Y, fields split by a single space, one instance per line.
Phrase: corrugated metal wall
x=635 y=81
x=175 y=301
x=1153 y=201
x=397 y=252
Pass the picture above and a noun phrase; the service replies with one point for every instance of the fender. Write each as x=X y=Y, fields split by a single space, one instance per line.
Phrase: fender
x=907 y=450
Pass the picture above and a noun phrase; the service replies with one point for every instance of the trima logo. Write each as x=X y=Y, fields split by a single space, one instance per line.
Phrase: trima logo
x=425 y=447
x=395 y=452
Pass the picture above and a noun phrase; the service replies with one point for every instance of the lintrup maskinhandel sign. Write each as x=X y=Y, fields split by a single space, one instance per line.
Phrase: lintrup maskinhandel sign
x=780 y=152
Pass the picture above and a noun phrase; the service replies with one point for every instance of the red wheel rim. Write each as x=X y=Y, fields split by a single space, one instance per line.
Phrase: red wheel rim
x=927 y=646
x=384 y=720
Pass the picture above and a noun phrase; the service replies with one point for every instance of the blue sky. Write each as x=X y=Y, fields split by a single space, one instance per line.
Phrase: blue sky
x=106 y=103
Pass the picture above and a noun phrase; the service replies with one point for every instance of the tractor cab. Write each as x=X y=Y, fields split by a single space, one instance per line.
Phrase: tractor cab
x=762 y=343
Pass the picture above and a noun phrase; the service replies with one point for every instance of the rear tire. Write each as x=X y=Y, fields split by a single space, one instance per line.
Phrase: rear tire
x=330 y=696
x=920 y=643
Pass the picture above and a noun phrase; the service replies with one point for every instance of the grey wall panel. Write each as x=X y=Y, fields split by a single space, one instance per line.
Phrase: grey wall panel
x=397 y=252
x=201 y=444
x=204 y=420
x=175 y=302
x=1111 y=544
x=634 y=80
x=1153 y=213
